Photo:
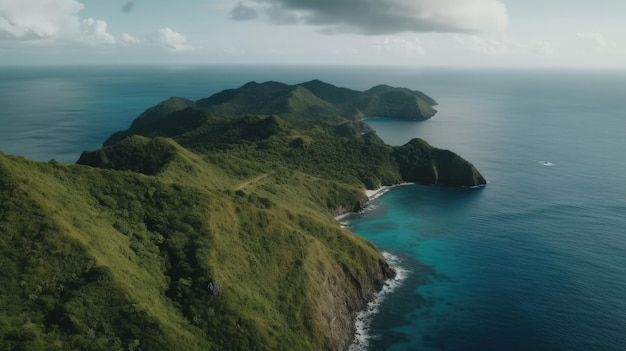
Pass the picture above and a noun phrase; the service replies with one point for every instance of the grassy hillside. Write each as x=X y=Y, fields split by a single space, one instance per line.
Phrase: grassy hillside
x=104 y=260
x=201 y=229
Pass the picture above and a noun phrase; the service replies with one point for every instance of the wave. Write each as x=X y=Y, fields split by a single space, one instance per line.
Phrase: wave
x=364 y=318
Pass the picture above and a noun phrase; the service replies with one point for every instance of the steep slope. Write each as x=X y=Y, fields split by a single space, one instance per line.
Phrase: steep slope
x=400 y=103
x=383 y=88
x=267 y=98
x=204 y=226
x=165 y=108
x=154 y=116
x=250 y=98
x=135 y=153
x=330 y=92
x=419 y=162
x=105 y=260
x=309 y=133
x=319 y=100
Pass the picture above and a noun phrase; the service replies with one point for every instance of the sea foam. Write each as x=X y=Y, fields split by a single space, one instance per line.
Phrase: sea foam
x=364 y=318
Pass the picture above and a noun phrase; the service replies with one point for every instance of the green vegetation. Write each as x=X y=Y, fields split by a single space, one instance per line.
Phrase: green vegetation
x=319 y=100
x=421 y=163
x=203 y=228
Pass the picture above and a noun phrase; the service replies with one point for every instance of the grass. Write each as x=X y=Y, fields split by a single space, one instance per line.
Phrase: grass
x=112 y=259
x=194 y=231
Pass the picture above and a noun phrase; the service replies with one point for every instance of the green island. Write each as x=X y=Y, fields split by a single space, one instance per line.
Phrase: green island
x=209 y=224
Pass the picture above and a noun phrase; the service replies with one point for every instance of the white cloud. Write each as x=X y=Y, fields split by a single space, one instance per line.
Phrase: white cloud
x=58 y=21
x=50 y=20
x=95 y=32
x=376 y=17
x=37 y=19
x=128 y=40
x=172 y=40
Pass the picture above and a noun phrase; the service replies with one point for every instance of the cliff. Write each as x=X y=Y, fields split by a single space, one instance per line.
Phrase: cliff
x=204 y=226
x=421 y=163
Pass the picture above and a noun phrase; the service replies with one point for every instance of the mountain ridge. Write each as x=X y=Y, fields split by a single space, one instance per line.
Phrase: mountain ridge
x=200 y=229
x=315 y=100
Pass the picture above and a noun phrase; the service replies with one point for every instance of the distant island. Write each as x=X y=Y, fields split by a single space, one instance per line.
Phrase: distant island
x=209 y=224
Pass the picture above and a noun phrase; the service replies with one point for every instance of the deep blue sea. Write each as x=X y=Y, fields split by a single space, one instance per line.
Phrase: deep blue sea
x=536 y=260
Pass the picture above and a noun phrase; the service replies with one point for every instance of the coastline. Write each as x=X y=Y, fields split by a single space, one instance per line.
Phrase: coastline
x=371 y=194
x=364 y=317
x=376 y=193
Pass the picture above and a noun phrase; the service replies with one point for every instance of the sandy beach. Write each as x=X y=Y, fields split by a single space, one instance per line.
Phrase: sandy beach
x=372 y=194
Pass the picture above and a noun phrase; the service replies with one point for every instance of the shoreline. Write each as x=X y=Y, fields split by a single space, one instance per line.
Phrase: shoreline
x=376 y=193
x=364 y=317
x=371 y=195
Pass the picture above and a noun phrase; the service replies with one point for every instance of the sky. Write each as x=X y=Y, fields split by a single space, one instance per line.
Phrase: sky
x=450 y=33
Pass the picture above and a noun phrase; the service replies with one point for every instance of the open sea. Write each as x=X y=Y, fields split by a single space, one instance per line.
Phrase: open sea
x=536 y=260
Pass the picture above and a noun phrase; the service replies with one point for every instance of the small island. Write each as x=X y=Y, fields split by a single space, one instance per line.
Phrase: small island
x=210 y=224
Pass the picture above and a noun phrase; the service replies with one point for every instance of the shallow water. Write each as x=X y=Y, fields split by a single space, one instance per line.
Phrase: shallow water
x=534 y=261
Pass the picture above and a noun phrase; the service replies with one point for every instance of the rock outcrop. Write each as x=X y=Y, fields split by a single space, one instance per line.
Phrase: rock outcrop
x=421 y=163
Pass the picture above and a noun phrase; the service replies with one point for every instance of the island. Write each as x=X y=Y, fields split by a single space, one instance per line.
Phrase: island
x=210 y=224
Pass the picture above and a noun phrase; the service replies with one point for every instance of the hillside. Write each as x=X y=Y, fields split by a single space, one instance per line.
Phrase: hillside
x=306 y=104
x=203 y=227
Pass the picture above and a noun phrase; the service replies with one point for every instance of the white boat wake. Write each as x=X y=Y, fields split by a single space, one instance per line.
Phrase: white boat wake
x=546 y=163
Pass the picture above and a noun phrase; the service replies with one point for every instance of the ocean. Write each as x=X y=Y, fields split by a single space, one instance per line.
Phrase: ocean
x=536 y=260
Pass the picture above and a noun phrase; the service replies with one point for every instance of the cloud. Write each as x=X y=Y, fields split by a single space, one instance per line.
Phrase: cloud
x=173 y=41
x=50 y=20
x=129 y=40
x=95 y=32
x=128 y=7
x=242 y=12
x=378 y=17
x=37 y=19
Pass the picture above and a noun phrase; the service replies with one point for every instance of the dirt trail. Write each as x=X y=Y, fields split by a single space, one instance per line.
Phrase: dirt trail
x=252 y=182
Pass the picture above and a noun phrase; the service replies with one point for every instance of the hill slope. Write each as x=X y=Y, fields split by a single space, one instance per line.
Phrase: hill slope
x=204 y=227
x=103 y=260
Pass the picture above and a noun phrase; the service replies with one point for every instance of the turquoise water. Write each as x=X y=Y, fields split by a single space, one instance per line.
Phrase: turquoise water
x=537 y=259
x=534 y=261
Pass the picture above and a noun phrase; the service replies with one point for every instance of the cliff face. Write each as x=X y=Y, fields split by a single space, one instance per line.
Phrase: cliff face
x=421 y=163
x=206 y=226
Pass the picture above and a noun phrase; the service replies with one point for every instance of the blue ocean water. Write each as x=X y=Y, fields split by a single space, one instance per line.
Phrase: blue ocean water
x=534 y=261
x=537 y=259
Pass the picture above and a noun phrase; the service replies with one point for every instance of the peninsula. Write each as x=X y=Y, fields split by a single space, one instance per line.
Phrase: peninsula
x=209 y=224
